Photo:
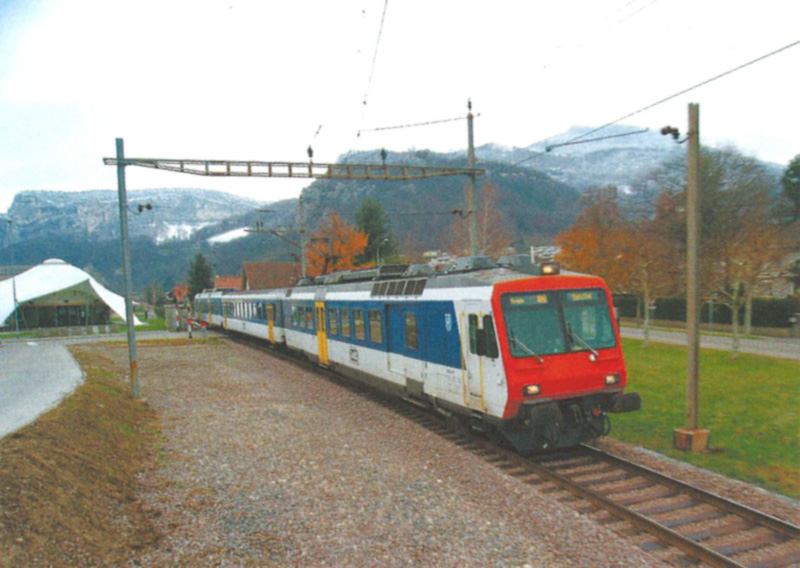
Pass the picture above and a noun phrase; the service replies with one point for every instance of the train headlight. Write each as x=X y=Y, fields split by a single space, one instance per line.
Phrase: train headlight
x=549 y=268
x=611 y=379
x=531 y=390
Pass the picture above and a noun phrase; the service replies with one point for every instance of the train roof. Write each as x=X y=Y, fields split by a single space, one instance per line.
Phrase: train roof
x=412 y=280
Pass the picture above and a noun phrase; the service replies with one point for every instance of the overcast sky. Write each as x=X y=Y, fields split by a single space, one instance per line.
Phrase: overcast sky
x=263 y=80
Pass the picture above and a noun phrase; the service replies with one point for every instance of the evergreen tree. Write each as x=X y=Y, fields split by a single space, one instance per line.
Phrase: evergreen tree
x=371 y=220
x=200 y=275
x=791 y=185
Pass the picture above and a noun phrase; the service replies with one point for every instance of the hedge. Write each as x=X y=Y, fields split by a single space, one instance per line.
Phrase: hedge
x=767 y=312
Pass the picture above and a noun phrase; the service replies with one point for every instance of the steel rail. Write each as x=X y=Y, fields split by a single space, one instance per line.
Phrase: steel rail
x=690 y=547
x=754 y=516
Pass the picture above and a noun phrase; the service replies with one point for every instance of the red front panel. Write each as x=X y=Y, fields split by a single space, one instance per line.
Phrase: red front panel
x=559 y=375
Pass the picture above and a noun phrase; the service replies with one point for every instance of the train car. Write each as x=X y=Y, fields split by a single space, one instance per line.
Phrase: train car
x=531 y=356
x=202 y=306
x=215 y=310
x=256 y=313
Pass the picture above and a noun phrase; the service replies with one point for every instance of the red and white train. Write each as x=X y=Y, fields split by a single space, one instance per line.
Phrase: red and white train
x=530 y=354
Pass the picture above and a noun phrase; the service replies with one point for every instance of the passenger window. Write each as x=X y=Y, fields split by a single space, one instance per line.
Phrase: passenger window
x=309 y=318
x=411 y=330
x=375 y=332
x=358 y=323
x=344 y=316
x=333 y=328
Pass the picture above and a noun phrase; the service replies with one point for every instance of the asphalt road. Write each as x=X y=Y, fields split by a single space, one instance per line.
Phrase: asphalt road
x=36 y=374
x=34 y=377
x=788 y=347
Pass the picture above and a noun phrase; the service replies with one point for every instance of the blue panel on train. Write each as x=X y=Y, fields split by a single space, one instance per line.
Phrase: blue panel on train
x=426 y=331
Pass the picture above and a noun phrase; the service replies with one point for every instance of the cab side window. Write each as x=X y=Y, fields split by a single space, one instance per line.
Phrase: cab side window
x=482 y=338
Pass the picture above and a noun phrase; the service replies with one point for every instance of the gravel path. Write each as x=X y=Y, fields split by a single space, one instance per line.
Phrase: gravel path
x=266 y=464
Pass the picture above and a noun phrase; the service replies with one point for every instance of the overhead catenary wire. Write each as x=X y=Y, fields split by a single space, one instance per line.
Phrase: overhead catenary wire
x=372 y=68
x=416 y=124
x=687 y=90
x=572 y=142
x=659 y=102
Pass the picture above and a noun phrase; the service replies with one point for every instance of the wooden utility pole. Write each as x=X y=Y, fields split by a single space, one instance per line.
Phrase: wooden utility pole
x=691 y=437
x=469 y=190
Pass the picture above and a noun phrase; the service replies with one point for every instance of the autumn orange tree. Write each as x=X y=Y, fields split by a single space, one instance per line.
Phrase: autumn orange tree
x=592 y=244
x=651 y=255
x=333 y=246
x=634 y=257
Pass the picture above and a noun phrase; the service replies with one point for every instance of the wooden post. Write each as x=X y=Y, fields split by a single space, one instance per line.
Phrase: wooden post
x=691 y=437
x=469 y=191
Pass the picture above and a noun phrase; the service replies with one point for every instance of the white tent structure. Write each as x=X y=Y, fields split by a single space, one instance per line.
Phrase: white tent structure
x=54 y=282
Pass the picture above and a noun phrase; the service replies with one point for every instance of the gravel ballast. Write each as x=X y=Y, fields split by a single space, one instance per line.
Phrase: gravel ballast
x=265 y=463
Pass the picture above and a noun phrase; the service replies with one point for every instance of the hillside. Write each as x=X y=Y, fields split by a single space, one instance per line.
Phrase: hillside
x=534 y=205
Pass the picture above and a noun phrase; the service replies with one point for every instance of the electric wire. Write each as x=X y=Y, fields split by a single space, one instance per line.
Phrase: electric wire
x=673 y=96
x=629 y=16
x=688 y=89
x=416 y=124
x=583 y=39
x=372 y=68
x=573 y=141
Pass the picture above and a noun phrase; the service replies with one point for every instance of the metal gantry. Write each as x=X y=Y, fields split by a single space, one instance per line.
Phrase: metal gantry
x=246 y=168
x=241 y=168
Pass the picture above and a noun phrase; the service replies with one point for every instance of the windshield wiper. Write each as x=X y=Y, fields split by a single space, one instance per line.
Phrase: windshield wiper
x=516 y=341
x=581 y=340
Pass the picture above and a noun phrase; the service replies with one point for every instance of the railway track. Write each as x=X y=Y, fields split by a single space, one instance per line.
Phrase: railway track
x=684 y=524
x=661 y=511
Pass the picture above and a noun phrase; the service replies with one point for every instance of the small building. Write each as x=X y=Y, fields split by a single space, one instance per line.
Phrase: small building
x=57 y=294
x=267 y=275
x=230 y=282
x=178 y=294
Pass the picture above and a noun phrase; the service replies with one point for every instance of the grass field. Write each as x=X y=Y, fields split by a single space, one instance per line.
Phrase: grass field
x=751 y=405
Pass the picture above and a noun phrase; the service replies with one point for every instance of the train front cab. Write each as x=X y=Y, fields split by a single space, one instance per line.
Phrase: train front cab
x=563 y=360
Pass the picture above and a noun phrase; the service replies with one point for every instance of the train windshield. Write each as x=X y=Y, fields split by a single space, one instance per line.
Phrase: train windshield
x=557 y=321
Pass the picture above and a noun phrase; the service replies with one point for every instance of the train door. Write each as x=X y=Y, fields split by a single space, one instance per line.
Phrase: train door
x=225 y=307
x=322 y=339
x=271 y=322
x=407 y=351
x=472 y=368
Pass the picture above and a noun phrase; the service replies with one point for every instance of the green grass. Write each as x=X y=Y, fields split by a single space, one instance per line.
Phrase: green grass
x=751 y=405
x=154 y=323
x=15 y=335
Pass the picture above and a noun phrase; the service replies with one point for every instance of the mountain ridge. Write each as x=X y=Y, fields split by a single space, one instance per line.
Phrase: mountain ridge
x=539 y=196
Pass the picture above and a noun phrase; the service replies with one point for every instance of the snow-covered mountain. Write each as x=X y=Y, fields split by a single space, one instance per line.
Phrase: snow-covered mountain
x=584 y=157
x=176 y=214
